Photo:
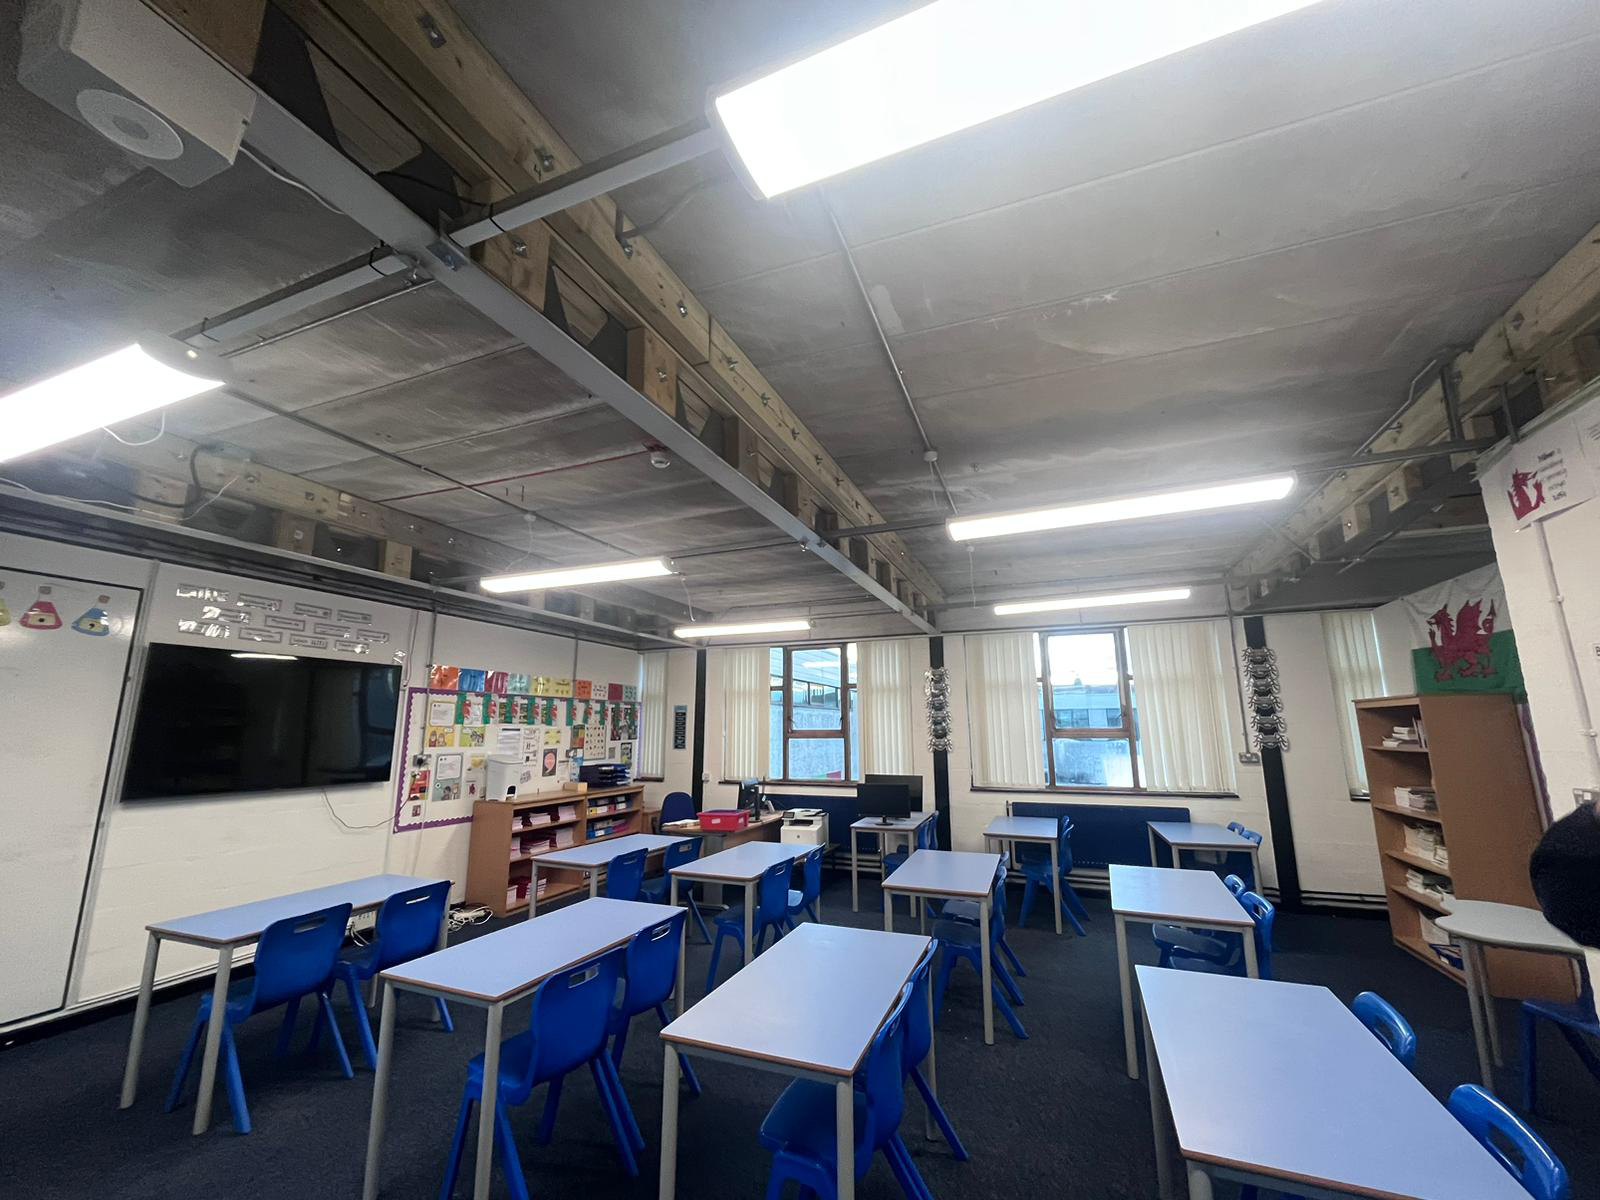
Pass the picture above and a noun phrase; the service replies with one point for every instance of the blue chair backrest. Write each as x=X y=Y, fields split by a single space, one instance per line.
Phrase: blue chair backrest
x=571 y=1012
x=624 y=875
x=926 y=832
x=885 y=1075
x=296 y=955
x=919 y=1028
x=677 y=806
x=772 y=893
x=1235 y=827
x=1387 y=1025
x=811 y=875
x=1249 y=835
x=997 y=906
x=408 y=923
x=1234 y=884
x=1064 y=853
x=1263 y=914
x=679 y=853
x=1512 y=1144
x=652 y=964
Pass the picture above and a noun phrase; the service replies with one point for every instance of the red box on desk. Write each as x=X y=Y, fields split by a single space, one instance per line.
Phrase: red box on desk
x=727 y=820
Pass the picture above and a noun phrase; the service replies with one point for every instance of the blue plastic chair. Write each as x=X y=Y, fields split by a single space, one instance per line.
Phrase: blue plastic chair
x=1575 y=1021
x=1510 y=1142
x=803 y=902
x=1263 y=914
x=571 y=1012
x=966 y=911
x=772 y=908
x=407 y=928
x=1388 y=1026
x=961 y=942
x=659 y=890
x=295 y=957
x=625 y=875
x=677 y=806
x=799 y=1128
x=1215 y=947
x=923 y=839
x=1035 y=863
x=919 y=1041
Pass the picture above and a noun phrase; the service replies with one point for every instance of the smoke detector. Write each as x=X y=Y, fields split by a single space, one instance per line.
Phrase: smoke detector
x=121 y=69
x=660 y=459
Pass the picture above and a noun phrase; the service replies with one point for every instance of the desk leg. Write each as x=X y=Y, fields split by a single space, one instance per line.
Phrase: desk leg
x=380 y=1095
x=594 y=884
x=1480 y=1037
x=208 y=1064
x=988 y=972
x=483 y=1166
x=855 y=866
x=1486 y=1001
x=1252 y=968
x=444 y=940
x=844 y=1120
x=1125 y=982
x=141 y=1019
x=1055 y=879
x=669 y=1126
x=1151 y=834
x=749 y=924
x=1199 y=1183
x=1255 y=870
x=1160 y=1122
x=533 y=889
x=922 y=914
x=928 y=1130
x=683 y=943
x=888 y=913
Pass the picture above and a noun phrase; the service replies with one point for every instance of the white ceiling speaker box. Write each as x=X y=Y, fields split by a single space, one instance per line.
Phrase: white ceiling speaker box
x=121 y=69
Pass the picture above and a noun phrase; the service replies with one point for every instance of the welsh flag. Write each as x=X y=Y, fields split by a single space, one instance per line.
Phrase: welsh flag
x=1461 y=636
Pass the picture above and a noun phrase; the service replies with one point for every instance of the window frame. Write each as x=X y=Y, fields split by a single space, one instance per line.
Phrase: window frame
x=845 y=693
x=1127 y=731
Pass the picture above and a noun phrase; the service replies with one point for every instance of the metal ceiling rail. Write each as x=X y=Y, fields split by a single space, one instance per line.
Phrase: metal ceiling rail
x=296 y=149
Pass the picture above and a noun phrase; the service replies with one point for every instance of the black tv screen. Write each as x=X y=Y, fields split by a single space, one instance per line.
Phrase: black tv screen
x=215 y=720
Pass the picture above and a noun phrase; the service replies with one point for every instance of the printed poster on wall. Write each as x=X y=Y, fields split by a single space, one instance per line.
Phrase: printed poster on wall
x=1548 y=472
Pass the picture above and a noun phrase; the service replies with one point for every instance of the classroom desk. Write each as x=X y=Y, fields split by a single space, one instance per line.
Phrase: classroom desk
x=763 y=829
x=1040 y=830
x=1192 y=835
x=743 y=864
x=899 y=828
x=493 y=971
x=809 y=1007
x=225 y=930
x=1193 y=899
x=1279 y=1085
x=1479 y=923
x=950 y=875
x=591 y=858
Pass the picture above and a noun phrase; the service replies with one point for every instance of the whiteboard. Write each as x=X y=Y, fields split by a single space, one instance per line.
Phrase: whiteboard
x=64 y=646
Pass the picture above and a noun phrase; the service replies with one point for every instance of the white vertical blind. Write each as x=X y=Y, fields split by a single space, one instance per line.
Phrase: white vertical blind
x=652 y=751
x=1180 y=682
x=884 y=707
x=746 y=704
x=1003 y=710
x=1357 y=671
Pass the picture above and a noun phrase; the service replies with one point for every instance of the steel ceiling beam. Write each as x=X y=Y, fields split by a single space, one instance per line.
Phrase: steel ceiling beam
x=296 y=149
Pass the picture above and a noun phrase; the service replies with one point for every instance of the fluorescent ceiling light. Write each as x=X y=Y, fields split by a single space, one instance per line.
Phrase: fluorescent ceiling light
x=270 y=657
x=149 y=374
x=950 y=65
x=1112 y=600
x=1129 y=508
x=711 y=631
x=612 y=572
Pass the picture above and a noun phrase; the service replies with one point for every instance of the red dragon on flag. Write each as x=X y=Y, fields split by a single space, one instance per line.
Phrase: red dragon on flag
x=1460 y=646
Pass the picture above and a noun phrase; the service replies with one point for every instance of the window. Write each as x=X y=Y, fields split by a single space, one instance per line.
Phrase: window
x=812 y=713
x=1088 y=723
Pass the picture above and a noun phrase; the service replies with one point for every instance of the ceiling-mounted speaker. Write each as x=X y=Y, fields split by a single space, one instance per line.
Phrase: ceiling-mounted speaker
x=121 y=69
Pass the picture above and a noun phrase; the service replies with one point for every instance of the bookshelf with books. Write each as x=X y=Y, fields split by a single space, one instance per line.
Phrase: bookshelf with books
x=1456 y=816
x=508 y=835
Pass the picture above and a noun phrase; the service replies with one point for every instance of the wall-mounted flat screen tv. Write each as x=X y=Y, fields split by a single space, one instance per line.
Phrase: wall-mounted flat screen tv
x=213 y=720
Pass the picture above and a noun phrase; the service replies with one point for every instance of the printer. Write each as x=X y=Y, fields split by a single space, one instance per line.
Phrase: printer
x=804 y=827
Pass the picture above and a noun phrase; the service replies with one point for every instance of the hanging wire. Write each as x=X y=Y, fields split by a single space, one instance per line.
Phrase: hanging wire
x=149 y=441
x=289 y=179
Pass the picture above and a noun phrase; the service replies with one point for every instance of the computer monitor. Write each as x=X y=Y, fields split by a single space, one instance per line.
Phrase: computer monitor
x=883 y=800
x=913 y=784
x=750 y=796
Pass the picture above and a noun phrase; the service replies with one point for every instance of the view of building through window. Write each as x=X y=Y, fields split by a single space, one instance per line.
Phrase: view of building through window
x=813 y=713
x=1090 y=724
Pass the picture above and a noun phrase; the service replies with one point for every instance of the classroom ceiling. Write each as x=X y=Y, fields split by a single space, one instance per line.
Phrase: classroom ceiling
x=1231 y=261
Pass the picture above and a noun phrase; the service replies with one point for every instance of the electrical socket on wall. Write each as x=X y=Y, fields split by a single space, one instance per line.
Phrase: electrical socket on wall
x=1250 y=758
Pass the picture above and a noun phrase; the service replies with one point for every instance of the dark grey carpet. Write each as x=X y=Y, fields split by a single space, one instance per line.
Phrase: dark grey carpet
x=1051 y=1116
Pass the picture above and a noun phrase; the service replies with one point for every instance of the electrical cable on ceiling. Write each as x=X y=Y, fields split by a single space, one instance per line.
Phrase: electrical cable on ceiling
x=149 y=441
x=687 y=599
x=289 y=179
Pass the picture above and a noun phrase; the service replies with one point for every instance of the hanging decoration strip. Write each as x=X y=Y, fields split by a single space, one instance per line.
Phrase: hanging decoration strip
x=936 y=689
x=1265 y=700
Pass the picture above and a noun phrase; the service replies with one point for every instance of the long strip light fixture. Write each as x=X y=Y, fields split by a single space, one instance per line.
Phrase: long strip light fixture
x=948 y=66
x=560 y=577
x=1105 y=600
x=688 y=632
x=148 y=374
x=1130 y=508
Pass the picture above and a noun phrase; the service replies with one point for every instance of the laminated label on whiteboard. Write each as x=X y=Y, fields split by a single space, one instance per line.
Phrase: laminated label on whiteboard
x=353 y=647
x=321 y=611
x=372 y=636
x=274 y=621
x=270 y=603
x=310 y=643
x=338 y=631
x=355 y=618
x=247 y=634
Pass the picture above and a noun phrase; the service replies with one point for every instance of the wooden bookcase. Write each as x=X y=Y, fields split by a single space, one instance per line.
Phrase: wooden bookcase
x=492 y=865
x=1488 y=814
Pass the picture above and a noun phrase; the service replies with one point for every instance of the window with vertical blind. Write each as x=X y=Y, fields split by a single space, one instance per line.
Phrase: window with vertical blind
x=1357 y=672
x=652 y=754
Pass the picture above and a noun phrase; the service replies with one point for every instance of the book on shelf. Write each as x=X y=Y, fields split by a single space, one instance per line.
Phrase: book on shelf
x=1426 y=883
x=1419 y=799
x=1404 y=735
x=564 y=836
x=569 y=812
x=1427 y=841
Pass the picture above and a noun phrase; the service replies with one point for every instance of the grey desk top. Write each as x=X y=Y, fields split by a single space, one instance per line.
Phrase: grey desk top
x=1193 y=835
x=243 y=923
x=597 y=854
x=513 y=959
x=741 y=863
x=1024 y=829
x=1311 y=1095
x=814 y=1000
x=958 y=873
x=1168 y=894
x=1505 y=925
